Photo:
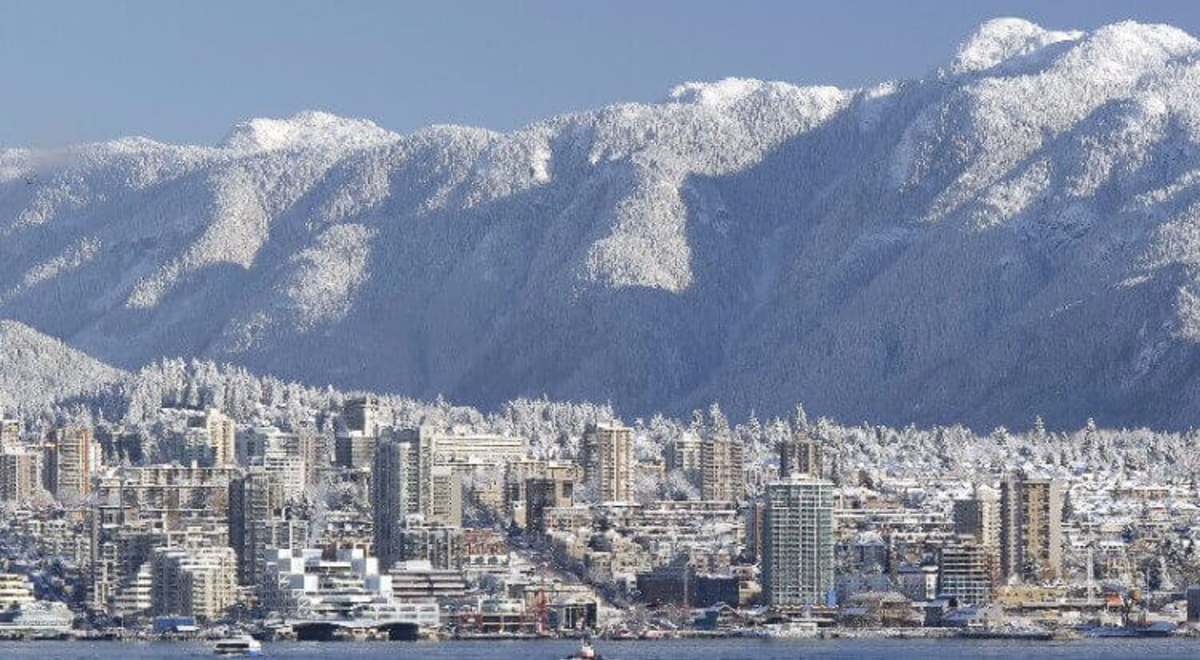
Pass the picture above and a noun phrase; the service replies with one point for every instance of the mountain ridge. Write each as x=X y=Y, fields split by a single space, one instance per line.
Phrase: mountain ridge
x=1012 y=235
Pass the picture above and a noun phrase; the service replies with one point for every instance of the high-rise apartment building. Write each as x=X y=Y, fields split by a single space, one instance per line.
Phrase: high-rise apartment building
x=137 y=509
x=1031 y=538
x=211 y=439
x=979 y=516
x=684 y=454
x=200 y=582
x=361 y=414
x=721 y=462
x=20 y=474
x=71 y=456
x=966 y=570
x=398 y=489
x=259 y=519
x=798 y=542
x=800 y=455
x=608 y=461
x=10 y=434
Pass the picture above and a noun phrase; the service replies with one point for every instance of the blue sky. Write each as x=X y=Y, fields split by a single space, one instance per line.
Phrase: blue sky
x=186 y=72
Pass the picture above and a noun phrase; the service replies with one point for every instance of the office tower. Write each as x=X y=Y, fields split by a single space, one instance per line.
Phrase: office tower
x=354 y=446
x=20 y=474
x=445 y=503
x=69 y=460
x=608 y=461
x=798 y=542
x=800 y=455
x=542 y=494
x=355 y=449
x=361 y=414
x=979 y=516
x=756 y=529
x=519 y=474
x=721 y=461
x=200 y=582
x=440 y=545
x=966 y=570
x=1031 y=512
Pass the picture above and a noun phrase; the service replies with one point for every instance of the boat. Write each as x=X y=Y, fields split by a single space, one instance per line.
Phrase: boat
x=1158 y=629
x=1009 y=632
x=241 y=645
x=586 y=652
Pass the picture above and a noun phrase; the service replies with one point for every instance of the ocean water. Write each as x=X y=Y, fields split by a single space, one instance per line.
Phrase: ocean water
x=719 y=649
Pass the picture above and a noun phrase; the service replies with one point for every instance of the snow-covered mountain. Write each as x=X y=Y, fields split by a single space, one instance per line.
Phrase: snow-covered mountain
x=38 y=369
x=1016 y=233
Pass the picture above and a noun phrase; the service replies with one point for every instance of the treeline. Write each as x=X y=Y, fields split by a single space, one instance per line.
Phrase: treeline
x=554 y=429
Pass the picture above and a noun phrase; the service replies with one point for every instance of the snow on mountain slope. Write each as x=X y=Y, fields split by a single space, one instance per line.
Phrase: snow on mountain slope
x=39 y=369
x=1015 y=234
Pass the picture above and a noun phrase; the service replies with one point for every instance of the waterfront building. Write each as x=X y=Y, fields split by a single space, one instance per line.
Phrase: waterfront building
x=440 y=545
x=302 y=583
x=135 y=596
x=799 y=542
x=15 y=590
x=417 y=579
x=966 y=571
x=918 y=583
x=194 y=581
x=45 y=619
x=671 y=584
x=607 y=459
x=1193 y=604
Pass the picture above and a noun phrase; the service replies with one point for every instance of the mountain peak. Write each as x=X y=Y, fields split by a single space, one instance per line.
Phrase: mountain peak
x=1002 y=39
x=309 y=129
